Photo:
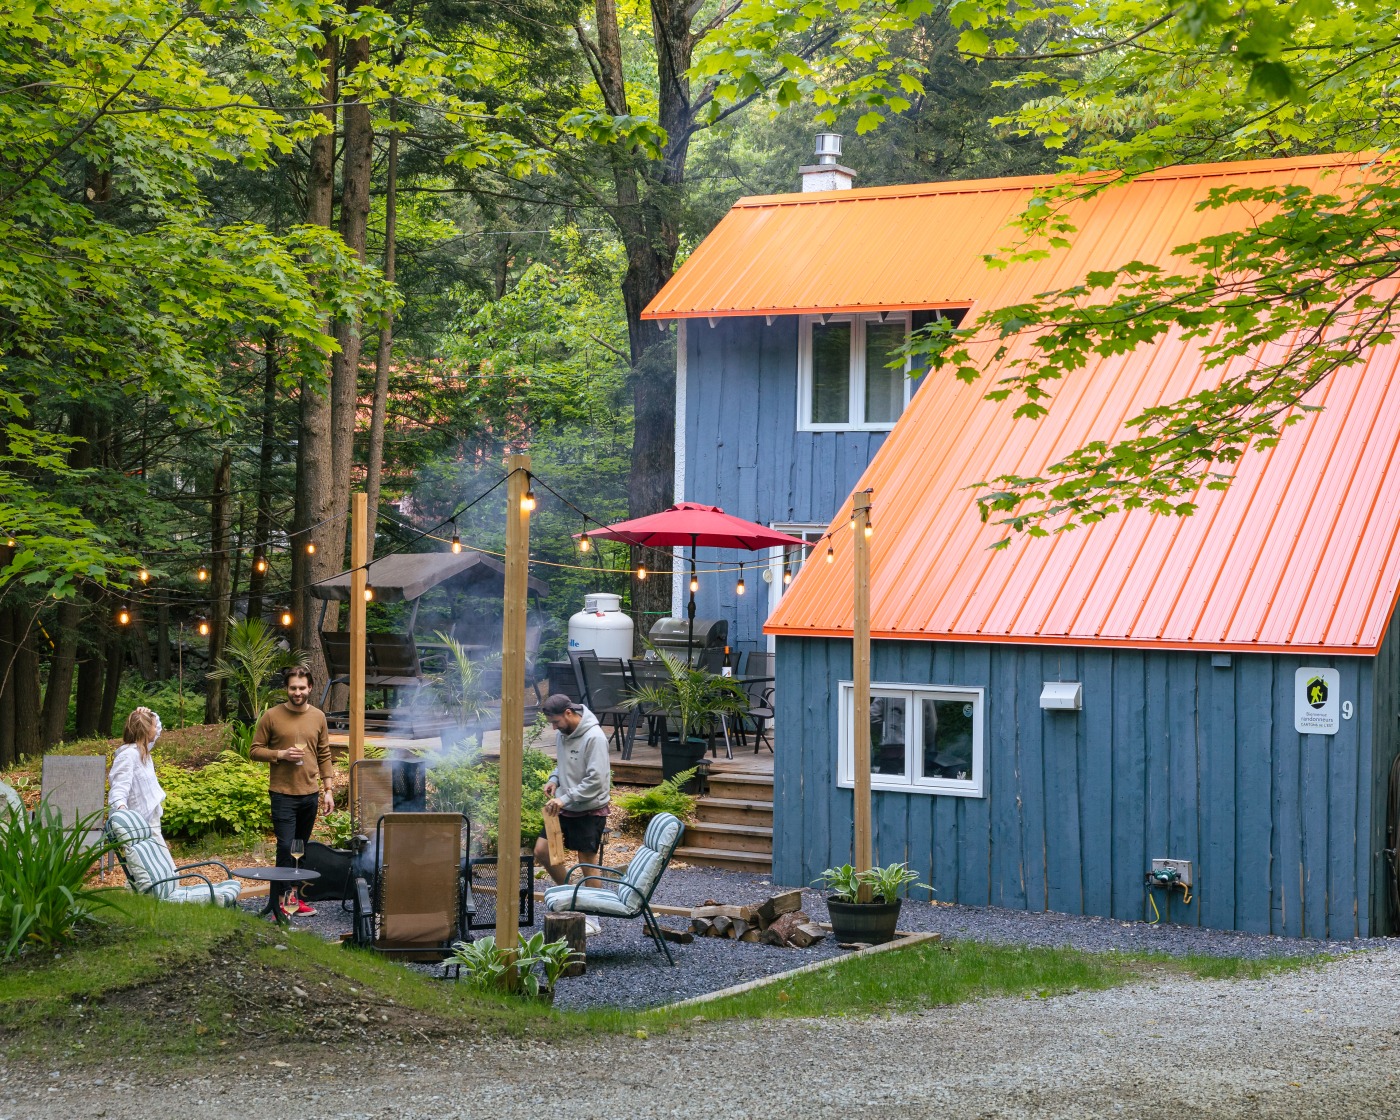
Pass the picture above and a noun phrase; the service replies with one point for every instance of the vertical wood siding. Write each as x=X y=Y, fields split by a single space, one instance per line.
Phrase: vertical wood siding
x=1381 y=727
x=1170 y=757
x=741 y=395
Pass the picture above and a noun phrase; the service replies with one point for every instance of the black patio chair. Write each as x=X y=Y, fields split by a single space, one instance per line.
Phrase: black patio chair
x=606 y=681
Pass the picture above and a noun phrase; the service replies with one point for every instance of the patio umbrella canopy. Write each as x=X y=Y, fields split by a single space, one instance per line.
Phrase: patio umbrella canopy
x=699 y=526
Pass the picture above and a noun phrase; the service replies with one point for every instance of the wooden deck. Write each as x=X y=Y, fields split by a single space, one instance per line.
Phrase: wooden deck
x=644 y=767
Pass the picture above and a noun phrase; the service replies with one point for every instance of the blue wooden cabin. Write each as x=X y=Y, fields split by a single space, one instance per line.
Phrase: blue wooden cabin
x=1050 y=718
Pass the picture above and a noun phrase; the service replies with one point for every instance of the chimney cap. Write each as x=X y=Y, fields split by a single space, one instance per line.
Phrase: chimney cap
x=828 y=148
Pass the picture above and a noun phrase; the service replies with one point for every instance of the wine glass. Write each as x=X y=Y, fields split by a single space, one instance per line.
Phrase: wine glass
x=298 y=850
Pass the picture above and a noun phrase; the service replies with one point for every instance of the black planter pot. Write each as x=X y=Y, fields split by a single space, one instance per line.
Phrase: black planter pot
x=678 y=756
x=872 y=923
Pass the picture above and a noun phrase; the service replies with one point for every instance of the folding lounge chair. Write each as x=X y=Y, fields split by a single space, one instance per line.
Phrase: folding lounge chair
x=75 y=787
x=627 y=893
x=150 y=870
x=371 y=793
x=415 y=899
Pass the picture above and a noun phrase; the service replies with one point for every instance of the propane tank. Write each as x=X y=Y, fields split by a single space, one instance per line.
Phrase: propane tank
x=602 y=627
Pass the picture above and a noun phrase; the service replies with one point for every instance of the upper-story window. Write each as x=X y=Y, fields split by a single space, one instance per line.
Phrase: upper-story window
x=845 y=380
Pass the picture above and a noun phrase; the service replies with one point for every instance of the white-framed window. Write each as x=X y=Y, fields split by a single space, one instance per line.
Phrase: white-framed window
x=783 y=564
x=923 y=738
x=844 y=381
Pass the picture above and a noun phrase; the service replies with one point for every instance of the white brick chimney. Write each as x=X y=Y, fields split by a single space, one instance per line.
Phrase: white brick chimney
x=827 y=174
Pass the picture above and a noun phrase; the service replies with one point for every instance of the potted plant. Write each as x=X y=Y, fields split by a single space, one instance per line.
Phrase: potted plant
x=870 y=922
x=693 y=702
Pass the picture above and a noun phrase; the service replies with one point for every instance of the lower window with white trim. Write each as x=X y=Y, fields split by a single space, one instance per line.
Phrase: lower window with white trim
x=923 y=738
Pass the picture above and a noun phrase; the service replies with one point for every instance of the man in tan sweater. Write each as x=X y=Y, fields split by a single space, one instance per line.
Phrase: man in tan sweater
x=293 y=739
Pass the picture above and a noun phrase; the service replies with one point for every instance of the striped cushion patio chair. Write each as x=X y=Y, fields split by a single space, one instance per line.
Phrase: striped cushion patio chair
x=151 y=870
x=626 y=892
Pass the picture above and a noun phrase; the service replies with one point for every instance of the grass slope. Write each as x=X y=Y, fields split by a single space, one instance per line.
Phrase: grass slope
x=184 y=981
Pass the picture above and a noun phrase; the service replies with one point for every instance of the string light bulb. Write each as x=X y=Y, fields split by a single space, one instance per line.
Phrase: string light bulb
x=641 y=572
x=203 y=574
x=203 y=628
x=830 y=554
x=584 y=544
x=739 y=587
x=869 y=530
x=787 y=577
x=853 y=522
x=286 y=618
x=260 y=563
x=527 y=503
x=143 y=575
x=456 y=538
x=10 y=542
x=694 y=584
x=123 y=617
x=369 y=594
x=311 y=548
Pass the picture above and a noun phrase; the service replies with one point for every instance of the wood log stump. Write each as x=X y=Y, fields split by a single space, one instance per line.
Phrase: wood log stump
x=568 y=925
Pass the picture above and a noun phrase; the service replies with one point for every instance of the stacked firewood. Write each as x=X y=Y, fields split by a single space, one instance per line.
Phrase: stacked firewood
x=778 y=920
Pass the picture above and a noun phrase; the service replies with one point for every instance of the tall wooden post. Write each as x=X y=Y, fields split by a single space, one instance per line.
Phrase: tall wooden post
x=860 y=670
x=359 y=580
x=512 y=701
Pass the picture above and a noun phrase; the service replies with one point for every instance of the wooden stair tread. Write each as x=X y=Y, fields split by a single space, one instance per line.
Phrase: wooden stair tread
x=694 y=855
x=734 y=829
x=733 y=803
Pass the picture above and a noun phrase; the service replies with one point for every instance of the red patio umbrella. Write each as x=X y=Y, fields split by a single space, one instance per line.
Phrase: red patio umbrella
x=689 y=523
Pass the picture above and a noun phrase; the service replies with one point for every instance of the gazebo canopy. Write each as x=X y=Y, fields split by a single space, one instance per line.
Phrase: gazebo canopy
x=406 y=576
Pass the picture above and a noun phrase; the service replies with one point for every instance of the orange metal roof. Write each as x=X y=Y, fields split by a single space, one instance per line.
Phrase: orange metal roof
x=1301 y=553
x=888 y=248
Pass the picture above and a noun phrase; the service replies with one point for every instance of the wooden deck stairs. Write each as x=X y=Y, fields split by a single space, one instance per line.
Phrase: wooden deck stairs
x=733 y=826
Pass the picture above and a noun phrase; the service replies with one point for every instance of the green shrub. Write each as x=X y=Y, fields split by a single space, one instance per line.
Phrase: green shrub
x=228 y=795
x=668 y=797
x=485 y=964
x=340 y=828
x=44 y=896
x=461 y=780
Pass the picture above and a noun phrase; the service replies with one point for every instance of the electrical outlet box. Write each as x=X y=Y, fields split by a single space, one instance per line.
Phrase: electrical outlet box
x=1181 y=866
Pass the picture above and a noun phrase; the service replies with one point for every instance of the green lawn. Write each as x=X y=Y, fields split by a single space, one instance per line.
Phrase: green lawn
x=167 y=981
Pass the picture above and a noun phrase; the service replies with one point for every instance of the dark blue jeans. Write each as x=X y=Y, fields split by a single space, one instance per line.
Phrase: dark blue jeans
x=293 y=818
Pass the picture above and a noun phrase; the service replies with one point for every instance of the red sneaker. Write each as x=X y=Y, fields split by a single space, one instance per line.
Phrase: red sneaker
x=301 y=909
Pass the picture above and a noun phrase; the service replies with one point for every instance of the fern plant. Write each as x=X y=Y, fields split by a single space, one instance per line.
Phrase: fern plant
x=252 y=656
x=668 y=797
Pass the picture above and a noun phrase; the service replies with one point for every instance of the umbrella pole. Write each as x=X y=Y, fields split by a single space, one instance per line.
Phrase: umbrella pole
x=690 y=610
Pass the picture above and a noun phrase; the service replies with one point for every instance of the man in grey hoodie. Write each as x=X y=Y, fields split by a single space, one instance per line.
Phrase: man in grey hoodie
x=579 y=788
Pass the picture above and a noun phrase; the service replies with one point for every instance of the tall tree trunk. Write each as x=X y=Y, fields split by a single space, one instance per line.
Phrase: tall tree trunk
x=262 y=524
x=314 y=424
x=219 y=524
x=162 y=637
x=111 y=683
x=374 y=459
x=9 y=754
x=357 y=166
x=59 y=690
x=89 y=701
x=25 y=681
x=646 y=217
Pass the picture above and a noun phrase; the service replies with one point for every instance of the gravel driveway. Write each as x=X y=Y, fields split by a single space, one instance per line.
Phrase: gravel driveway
x=1313 y=1043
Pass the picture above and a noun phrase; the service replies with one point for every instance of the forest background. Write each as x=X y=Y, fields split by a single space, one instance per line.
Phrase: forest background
x=255 y=254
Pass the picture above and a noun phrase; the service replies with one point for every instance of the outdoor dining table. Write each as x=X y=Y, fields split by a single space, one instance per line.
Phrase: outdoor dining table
x=275 y=876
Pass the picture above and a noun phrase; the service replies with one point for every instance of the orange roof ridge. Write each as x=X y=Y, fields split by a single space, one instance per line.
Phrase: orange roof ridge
x=1023 y=182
